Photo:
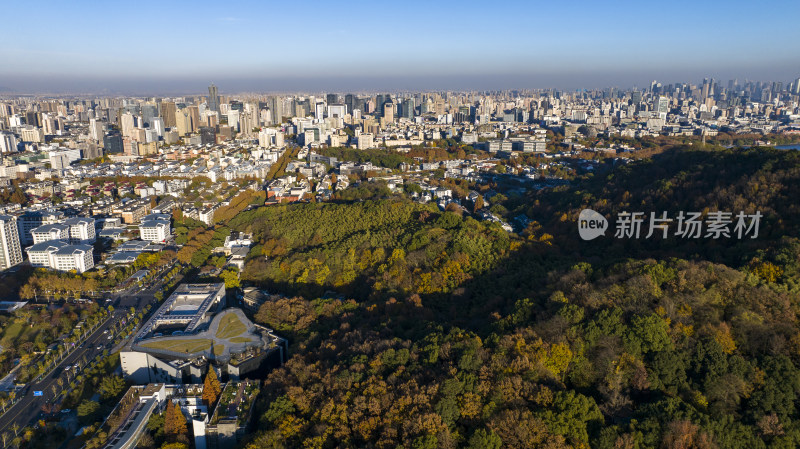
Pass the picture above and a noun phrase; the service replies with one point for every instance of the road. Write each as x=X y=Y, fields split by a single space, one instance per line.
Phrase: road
x=29 y=407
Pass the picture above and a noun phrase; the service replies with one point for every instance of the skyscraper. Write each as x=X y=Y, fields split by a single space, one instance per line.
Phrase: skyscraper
x=661 y=106
x=8 y=143
x=408 y=108
x=213 y=98
x=149 y=111
x=96 y=129
x=183 y=119
x=379 y=101
x=158 y=126
x=10 y=249
x=168 y=110
x=349 y=101
x=127 y=123
x=275 y=105
x=388 y=111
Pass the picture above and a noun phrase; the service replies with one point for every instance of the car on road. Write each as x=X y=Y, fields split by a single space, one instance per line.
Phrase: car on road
x=105 y=331
x=66 y=410
x=100 y=348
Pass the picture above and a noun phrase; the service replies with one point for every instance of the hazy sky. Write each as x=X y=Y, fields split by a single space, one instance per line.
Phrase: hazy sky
x=166 y=46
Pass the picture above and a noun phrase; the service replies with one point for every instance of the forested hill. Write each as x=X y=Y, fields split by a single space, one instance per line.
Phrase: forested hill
x=682 y=179
x=539 y=340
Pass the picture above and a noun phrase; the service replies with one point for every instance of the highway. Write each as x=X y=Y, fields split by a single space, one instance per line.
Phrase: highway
x=28 y=409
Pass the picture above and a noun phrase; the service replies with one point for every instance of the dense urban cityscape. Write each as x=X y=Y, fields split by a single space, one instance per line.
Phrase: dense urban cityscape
x=400 y=225
x=122 y=216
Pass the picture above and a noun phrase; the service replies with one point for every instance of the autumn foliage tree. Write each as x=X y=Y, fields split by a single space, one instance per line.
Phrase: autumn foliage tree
x=175 y=428
x=211 y=388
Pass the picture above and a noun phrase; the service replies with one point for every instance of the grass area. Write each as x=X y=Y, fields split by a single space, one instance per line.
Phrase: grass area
x=12 y=331
x=180 y=345
x=240 y=340
x=230 y=326
x=219 y=349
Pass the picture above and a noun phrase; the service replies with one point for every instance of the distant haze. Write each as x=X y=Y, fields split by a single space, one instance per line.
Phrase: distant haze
x=161 y=48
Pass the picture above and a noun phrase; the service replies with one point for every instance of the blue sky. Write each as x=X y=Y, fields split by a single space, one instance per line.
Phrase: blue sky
x=413 y=44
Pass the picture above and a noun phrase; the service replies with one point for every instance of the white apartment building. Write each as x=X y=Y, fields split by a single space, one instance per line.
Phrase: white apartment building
x=76 y=230
x=75 y=257
x=55 y=231
x=155 y=228
x=42 y=254
x=81 y=230
x=206 y=215
x=31 y=220
x=10 y=250
x=60 y=255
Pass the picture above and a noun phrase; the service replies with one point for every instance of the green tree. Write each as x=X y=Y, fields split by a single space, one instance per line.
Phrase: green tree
x=111 y=387
x=231 y=277
x=87 y=410
x=483 y=439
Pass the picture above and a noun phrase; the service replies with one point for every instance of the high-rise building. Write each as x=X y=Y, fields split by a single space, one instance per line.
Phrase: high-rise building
x=183 y=122
x=157 y=125
x=48 y=124
x=194 y=114
x=388 y=111
x=379 y=101
x=213 y=98
x=32 y=118
x=10 y=249
x=661 y=106
x=96 y=129
x=233 y=119
x=331 y=99
x=407 y=111
x=168 y=111
x=349 y=101
x=112 y=143
x=149 y=112
x=8 y=143
x=275 y=105
x=127 y=124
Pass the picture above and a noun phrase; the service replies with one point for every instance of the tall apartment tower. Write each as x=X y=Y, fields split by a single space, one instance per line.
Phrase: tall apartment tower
x=661 y=106
x=213 y=98
x=10 y=249
x=275 y=105
x=168 y=110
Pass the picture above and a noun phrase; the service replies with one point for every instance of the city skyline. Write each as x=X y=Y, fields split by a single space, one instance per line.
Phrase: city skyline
x=166 y=48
